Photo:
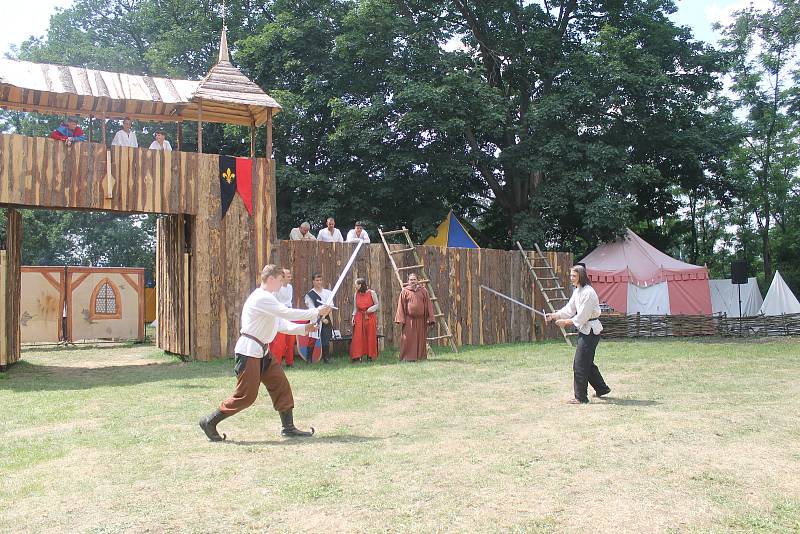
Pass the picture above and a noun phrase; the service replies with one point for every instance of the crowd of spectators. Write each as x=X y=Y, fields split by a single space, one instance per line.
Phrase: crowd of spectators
x=70 y=132
x=330 y=233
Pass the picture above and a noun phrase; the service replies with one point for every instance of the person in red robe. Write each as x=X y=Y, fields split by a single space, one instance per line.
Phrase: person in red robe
x=365 y=323
x=415 y=314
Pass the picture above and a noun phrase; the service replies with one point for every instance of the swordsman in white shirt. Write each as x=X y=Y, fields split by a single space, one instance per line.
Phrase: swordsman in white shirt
x=263 y=316
x=583 y=312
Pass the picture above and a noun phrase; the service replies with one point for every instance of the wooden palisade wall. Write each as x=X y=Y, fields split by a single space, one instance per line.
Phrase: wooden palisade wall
x=223 y=257
x=10 y=282
x=475 y=316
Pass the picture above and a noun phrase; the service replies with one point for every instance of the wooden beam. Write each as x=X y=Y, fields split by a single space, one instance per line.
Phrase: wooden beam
x=200 y=126
x=269 y=135
x=253 y=137
x=179 y=136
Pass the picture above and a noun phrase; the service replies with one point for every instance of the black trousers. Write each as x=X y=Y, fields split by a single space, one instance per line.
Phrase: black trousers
x=584 y=370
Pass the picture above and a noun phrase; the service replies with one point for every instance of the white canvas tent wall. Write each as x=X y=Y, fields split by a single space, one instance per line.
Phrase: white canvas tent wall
x=725 y=298
x=779 y=299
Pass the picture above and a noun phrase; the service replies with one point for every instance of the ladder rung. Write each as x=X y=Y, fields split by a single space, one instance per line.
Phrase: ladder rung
x=410 y=267
x=394 y=232
x=547 y=277
x=540 y=267
x=424 y=281
x=438 y=337
x=552 y=288
x=438 y=315
x=556 y=298
x=434 y=298
x=571 y=334
x=401 y=250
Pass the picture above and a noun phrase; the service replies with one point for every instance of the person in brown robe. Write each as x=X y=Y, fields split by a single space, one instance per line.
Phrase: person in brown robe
x=414 y=313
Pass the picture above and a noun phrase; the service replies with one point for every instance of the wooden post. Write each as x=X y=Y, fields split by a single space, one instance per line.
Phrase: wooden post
x=103 y=130
x=252 y=136
x=269 y=134
x=179 y=135
x=200 y=126
x=91 y=126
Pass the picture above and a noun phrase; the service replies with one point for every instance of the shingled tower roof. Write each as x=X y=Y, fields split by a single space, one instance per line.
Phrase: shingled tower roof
x=226 y=88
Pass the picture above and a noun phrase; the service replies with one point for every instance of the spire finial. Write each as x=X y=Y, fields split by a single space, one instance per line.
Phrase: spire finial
x=223 y=46
x=223 y=40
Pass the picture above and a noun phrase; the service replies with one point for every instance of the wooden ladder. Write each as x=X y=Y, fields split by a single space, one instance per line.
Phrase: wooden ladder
x=425 y=280
x=548 y=284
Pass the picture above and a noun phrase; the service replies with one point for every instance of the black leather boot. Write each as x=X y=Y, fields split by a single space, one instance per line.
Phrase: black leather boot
x=291 y=431
x=209 y=425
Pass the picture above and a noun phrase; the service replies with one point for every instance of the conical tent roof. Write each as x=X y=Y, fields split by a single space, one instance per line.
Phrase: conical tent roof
x=779 y=299
x=451 y=233
x=632 y=259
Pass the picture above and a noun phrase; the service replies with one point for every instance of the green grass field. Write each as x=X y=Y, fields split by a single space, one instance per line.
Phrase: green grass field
x=696 y=437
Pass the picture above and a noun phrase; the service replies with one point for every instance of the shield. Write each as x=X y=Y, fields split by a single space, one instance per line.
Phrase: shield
x=310 y=348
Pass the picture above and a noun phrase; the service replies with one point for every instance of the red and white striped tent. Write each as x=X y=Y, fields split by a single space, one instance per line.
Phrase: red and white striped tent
x=632 y=276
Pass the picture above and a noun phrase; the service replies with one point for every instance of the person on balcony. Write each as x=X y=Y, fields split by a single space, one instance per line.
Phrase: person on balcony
x=126 y=137
x=69 y=132
x=330 y=233
x=358 y=234
x=302 y=233
x=161 y=142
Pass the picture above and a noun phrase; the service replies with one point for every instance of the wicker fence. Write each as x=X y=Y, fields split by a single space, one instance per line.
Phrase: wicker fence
x=619 y=326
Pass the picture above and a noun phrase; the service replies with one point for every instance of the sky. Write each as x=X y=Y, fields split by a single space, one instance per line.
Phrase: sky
x=20 y=20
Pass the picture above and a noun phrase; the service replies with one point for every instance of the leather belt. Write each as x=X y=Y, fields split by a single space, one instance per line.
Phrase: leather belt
x=264 y=346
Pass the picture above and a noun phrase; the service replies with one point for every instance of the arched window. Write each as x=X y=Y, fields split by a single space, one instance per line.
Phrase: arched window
x=105 y=303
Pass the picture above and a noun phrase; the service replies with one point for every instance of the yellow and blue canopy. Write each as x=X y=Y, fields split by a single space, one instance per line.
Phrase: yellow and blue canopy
x=451 y=233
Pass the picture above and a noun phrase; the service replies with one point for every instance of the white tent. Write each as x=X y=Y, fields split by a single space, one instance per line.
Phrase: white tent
x=779 y=299
x=725 y=298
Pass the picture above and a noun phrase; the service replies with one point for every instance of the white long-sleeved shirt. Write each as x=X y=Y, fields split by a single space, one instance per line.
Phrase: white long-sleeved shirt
x=166 y=147
x=353 y=238
x=285 y=295
x=297 y=235
x=125 y=139
x=325 y=295
x=325 y=235
x=263 y=316
x=583 y=309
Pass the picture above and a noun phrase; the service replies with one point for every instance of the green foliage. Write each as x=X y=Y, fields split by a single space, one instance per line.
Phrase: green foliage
x=762 y=49
x=557 y=122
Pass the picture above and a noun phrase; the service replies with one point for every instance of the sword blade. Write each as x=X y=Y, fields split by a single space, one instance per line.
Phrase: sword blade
x=342 y=276
x=515 y=301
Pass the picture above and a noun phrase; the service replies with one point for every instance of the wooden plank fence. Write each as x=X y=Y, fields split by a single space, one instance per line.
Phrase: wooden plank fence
x=475 y=317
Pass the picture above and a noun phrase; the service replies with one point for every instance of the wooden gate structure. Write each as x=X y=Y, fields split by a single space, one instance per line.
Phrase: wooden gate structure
x=206 y=264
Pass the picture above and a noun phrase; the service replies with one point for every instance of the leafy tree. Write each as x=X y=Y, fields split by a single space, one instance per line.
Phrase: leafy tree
x=763 y=51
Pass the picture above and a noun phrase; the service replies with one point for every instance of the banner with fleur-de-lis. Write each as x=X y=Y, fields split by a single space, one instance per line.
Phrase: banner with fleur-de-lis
x=235 y=174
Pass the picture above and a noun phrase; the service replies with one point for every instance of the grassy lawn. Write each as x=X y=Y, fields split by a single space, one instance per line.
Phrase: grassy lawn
x=696 y=437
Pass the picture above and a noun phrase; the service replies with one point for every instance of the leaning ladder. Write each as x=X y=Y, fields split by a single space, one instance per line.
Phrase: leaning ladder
x=420 y=266
x=547 y=282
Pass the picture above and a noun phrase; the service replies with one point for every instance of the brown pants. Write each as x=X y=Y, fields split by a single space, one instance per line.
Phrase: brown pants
x=248 y=382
